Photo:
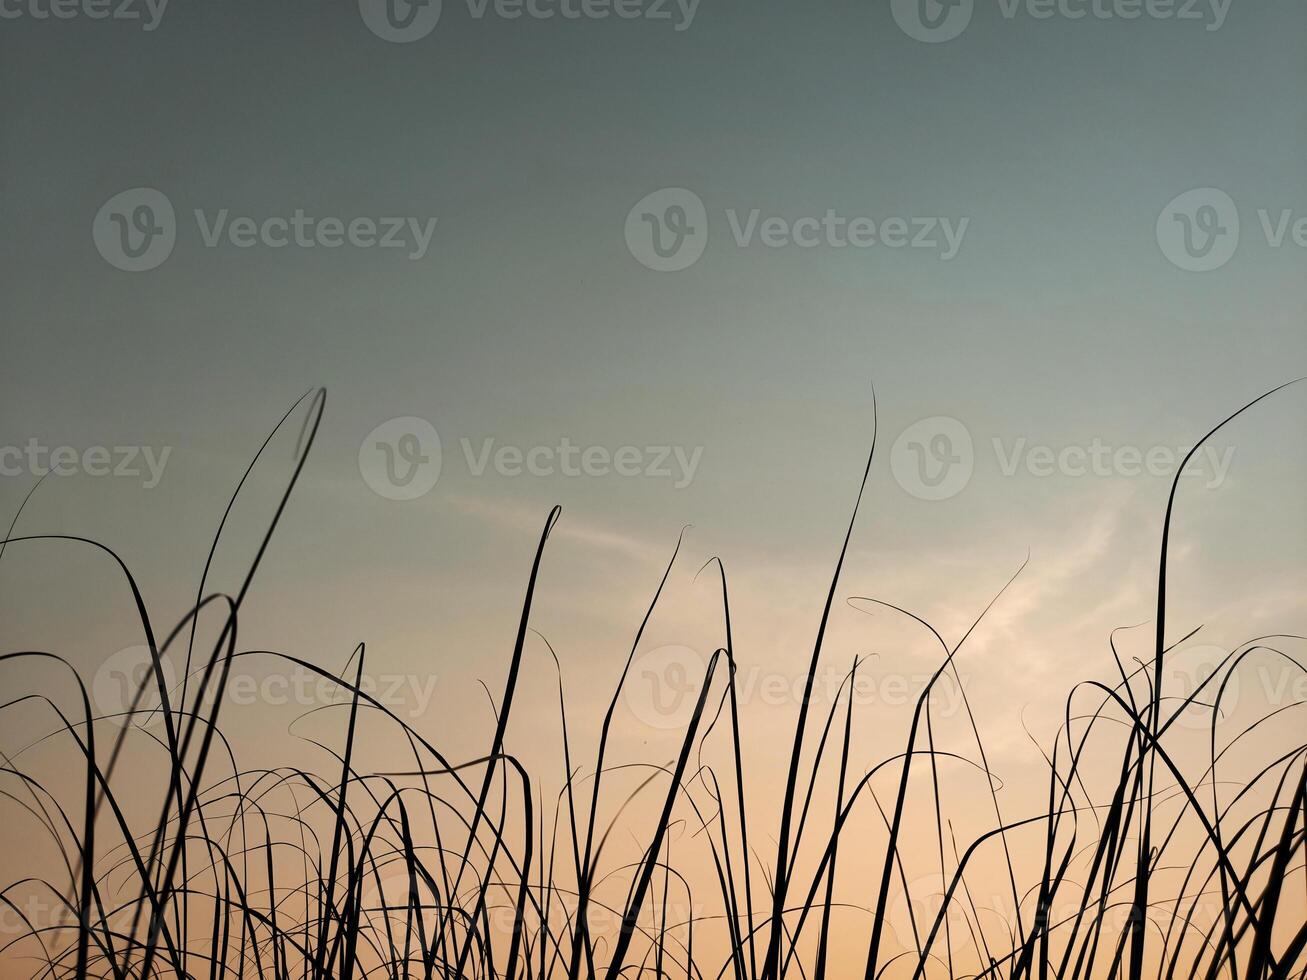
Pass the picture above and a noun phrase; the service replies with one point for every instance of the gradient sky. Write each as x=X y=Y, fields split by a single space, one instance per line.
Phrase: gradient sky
x=528 y=321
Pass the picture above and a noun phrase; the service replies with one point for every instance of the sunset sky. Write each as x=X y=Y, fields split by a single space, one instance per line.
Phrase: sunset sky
x=1057 y=354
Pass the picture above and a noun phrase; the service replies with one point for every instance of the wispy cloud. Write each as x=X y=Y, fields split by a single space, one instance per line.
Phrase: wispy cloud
x=519 y=517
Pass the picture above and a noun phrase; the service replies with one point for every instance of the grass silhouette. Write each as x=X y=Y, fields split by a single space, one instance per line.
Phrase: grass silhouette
x=458 y=868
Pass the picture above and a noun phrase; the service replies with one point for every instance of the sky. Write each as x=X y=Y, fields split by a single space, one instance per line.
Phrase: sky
x=672 y=270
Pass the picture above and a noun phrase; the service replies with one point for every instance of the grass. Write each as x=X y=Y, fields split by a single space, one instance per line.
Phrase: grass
x=461 y=868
